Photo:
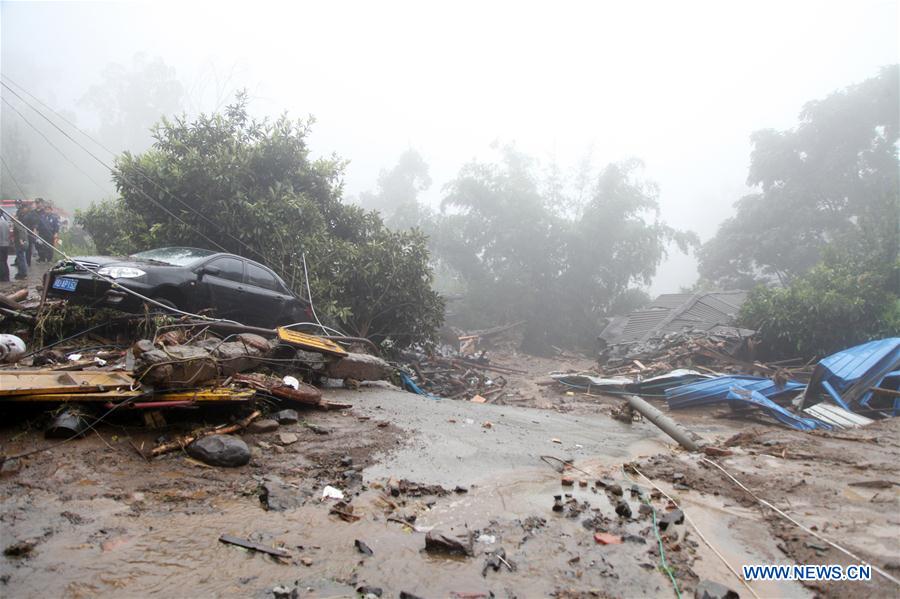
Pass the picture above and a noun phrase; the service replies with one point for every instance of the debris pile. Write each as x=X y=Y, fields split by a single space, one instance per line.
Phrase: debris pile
x=172 y=365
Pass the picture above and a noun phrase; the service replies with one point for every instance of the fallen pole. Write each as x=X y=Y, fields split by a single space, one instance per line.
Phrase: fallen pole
x=685 y=438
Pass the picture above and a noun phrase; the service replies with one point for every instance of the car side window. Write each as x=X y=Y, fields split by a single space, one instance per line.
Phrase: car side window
x=261 y=277
x=231 y=269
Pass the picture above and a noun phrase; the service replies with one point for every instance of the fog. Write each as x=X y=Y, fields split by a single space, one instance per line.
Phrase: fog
x=679 y=85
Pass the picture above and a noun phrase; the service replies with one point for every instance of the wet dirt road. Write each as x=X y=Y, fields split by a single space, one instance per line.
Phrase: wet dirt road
x=102 y=522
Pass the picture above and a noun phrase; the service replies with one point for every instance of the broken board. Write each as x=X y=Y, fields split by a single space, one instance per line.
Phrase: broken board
x=311 y=342
x=42 y=382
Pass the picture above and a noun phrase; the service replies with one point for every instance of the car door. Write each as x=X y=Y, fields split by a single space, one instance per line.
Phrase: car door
x=269 y=297
x=223 y=280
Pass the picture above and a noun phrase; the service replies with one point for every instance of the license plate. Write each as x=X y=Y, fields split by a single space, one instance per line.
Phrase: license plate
x=65 y=284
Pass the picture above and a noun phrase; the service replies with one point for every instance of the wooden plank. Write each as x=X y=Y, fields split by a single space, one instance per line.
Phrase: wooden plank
x=37 y=382
x=114 y=396
x=207 y=394
x=233 y=540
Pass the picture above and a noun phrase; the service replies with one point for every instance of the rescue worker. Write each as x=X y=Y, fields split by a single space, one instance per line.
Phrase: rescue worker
x=20 y=241
x=5 y=242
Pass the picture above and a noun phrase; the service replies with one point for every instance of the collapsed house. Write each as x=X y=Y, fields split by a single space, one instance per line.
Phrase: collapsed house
x=672 y=317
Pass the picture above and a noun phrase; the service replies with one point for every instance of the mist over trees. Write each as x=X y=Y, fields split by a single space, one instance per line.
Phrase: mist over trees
x=518 y=242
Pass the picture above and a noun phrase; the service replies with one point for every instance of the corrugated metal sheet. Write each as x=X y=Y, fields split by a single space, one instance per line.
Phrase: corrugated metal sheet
x=852 y=372
x=743 y=391
x=837 y=417
x=713 y=390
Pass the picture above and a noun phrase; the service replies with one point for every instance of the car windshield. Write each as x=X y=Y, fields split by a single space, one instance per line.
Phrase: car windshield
x=173 y=256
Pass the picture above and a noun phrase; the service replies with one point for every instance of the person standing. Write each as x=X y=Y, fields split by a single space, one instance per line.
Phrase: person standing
x=30 y=220
x=21 y=235
x=5 y=241
x=47 y=229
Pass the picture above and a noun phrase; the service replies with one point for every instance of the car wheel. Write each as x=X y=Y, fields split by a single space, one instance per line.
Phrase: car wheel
x=165 y=302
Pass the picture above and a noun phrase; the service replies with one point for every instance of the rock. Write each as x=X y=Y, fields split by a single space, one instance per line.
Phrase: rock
x=283 y=592
x=346 y=461
x=366 y=590
x=319 y=430
x=277 y=497
x=439 y=542
x=408 y=595
x=567 y=481
x=287 y=417
x=673 y=517
x=10 y=467
x=605 y=538
x=615 y=489
x=266 y=425
x=20 y=548
x=220 y=450
x=363 y=548
x=707 y=589
x=287 y=438
x=645 y=509
x=716 y=451
x=361 y=367
x=623 y=509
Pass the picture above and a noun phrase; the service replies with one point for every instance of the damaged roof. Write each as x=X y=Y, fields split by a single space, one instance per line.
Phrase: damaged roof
x=710 y=312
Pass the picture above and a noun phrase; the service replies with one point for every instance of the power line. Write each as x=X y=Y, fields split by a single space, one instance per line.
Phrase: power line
x=95 y=157
x=9 y=170
x=139 y=170
x=54 y=146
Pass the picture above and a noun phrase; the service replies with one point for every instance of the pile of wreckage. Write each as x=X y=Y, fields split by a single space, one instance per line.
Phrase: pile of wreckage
x=183 y=364
x=683 y=349
x=460 y=368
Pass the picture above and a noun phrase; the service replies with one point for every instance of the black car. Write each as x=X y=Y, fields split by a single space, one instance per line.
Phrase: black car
x=189 y=279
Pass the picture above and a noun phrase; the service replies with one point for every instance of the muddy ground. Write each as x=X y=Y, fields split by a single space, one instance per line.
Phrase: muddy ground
x=93 y=518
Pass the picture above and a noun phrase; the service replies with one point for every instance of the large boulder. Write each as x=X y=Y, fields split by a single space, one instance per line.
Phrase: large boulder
x=361 y=367
x=220 y=450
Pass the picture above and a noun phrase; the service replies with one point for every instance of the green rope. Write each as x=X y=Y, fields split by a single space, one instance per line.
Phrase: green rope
x=662 y=553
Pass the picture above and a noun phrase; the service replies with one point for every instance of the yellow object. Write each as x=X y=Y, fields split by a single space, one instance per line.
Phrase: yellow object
x=43 y=382
x=206 y=394
x=311 y=342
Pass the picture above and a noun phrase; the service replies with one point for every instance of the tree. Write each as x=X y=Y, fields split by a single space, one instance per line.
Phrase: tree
x=521 y=257
x=226 y=181
x=832 y=177
x=130 y=99
x=397 y=197
x=847 y=299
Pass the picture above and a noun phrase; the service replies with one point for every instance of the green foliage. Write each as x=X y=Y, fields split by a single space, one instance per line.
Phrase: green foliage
x=849 y=298
x=228 y=182
x=523 y=248
x=831 y=178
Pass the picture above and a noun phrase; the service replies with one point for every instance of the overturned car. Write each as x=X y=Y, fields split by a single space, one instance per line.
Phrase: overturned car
x=188 y=279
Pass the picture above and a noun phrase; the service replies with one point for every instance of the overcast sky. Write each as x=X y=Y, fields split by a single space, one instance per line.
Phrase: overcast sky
x=680 y=85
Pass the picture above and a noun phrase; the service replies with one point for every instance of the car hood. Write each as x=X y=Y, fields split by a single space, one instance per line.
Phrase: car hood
x=95 y=262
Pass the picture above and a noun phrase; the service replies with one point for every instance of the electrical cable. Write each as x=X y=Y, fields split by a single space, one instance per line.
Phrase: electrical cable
x=694 y=526
x=9 y=171
x=108 y=167
x=52 y=145
x=138 y=169
x=797 y=524
x=312 y=306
